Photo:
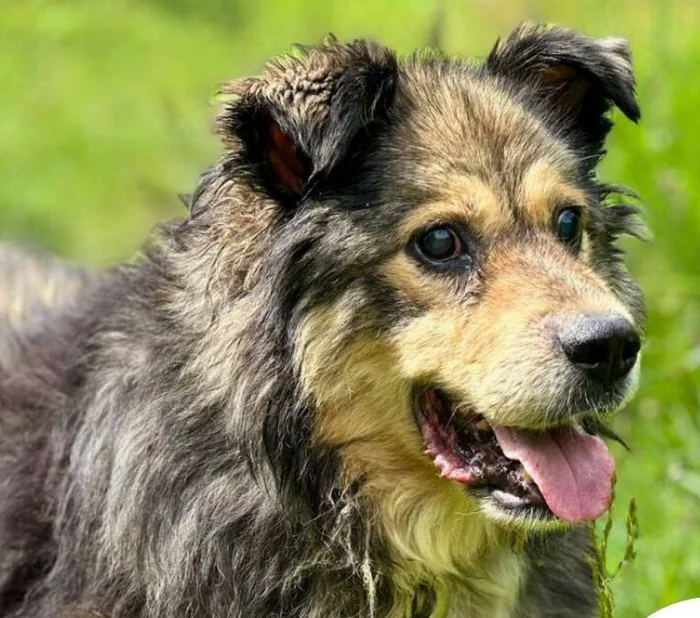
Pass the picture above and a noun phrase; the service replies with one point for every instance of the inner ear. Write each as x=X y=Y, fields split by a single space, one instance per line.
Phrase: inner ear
x=568 y=87
x=287 y=167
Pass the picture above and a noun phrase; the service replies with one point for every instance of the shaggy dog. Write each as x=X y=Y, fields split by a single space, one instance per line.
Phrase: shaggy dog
x=367 y=375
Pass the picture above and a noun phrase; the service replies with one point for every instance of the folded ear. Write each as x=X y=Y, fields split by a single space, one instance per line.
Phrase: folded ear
x=579 y=77
x=293 y=124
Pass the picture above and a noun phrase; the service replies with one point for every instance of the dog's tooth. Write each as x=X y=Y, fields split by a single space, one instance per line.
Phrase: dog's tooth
x=482 y=425
x=443 y=465
x=526 y=477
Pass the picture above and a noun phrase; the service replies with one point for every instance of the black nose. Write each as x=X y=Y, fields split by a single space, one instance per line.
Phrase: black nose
x=604 y=346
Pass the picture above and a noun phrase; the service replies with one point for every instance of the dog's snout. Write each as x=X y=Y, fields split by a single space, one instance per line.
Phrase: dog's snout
x=604 y=346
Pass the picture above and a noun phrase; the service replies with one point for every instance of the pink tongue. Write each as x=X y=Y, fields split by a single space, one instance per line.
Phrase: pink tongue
x=573 y=470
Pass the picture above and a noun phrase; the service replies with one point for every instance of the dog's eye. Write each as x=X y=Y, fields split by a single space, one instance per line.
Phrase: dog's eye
x=569 y=226
x=440 y=245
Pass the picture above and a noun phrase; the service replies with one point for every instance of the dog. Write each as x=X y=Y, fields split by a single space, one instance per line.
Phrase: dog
x=366 y=376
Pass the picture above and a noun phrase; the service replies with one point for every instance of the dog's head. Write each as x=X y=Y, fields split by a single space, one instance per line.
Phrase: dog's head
x=461 y=314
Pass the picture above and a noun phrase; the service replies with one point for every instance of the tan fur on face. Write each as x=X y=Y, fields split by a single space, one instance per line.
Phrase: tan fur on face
x=461 y=198
x=486 y=336
x=433 y=527
x=489 y=339
x=463 y=131
x=545 y=189
x=498 y=355
x=366 y=407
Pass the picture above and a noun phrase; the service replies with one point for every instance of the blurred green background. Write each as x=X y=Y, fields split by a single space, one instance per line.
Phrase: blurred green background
x=105 y=112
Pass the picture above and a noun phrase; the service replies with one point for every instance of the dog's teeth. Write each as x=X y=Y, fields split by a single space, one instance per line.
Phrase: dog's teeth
x=526 y=477
x=440 y=461
x=482 y=425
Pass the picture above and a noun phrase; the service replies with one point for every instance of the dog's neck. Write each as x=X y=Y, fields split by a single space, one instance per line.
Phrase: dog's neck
x=472 y=569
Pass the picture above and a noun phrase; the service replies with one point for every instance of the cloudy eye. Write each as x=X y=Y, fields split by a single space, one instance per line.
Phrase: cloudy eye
x=441 y=246
x=568 y=226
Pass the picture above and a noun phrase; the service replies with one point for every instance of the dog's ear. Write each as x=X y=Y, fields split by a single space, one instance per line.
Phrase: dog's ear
x=293 y=124
x=579 y=77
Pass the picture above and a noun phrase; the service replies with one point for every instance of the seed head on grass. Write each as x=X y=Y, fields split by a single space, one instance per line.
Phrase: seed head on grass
x=598 y=558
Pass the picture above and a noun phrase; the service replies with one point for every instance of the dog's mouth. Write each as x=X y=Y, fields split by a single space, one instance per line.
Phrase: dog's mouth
x=561 y=473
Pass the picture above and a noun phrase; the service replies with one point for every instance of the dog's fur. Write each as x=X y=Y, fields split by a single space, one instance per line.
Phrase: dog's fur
x=224 y=429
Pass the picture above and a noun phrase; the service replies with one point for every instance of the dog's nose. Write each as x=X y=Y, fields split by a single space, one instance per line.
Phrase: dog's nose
x=604 y=346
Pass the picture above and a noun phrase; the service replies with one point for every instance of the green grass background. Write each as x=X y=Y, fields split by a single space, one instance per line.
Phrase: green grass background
x=105 y=107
